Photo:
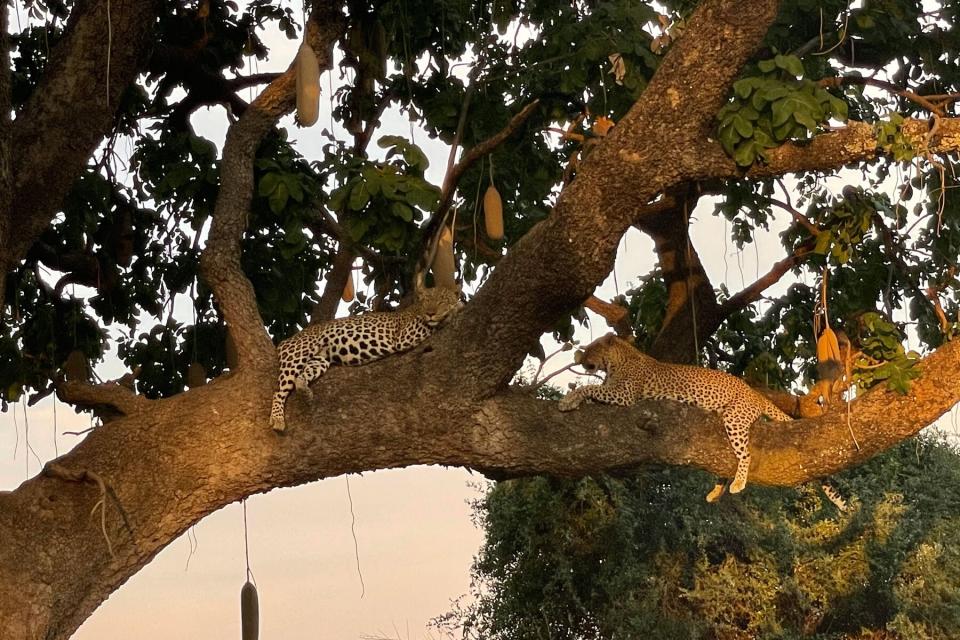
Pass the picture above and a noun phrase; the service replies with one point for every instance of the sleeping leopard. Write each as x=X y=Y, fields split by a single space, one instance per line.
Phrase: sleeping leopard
x=356 y=340
x=632 y=375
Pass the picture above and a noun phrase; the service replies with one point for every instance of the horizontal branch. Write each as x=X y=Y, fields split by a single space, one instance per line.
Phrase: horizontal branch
x=857 y=142
x=110 y=395
x=752 y=292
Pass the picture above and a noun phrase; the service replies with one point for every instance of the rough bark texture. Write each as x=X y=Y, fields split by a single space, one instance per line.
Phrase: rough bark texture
x=168 y=463
x=69 y=114
x=692 y=308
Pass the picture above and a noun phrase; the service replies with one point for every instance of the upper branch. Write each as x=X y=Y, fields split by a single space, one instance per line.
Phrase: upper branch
x=856 y=142
x=556 y=266
x=69 y=112
x=221 y=257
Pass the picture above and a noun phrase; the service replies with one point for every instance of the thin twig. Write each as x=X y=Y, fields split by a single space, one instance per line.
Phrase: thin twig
x=433 y=226
x=923 y=101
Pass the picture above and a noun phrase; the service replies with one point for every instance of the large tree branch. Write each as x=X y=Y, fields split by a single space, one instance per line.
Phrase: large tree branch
x=69 y=113
x=220 y=262
x=215 y=438
x=573 y=250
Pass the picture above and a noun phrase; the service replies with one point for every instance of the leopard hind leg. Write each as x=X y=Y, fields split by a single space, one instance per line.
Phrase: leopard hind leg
x=285 y=385
x=737 y=422
x=310 y=372
x=718 y=490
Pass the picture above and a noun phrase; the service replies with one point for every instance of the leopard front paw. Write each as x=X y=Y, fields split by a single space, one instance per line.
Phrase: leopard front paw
x=278 y=424
x=303 y=387
x=569 y=402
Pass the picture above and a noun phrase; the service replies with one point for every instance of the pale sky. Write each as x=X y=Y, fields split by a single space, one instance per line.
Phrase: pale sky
x=414 y=535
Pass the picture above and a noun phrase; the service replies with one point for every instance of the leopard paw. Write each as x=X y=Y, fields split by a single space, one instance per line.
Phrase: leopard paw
x=278 y=424
x=569 y=402
x=737 y=485
x=718 y=490
x=303 y=387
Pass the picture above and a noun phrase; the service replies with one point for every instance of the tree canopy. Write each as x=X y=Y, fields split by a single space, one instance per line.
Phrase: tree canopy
x=645 y=557
x=114 y=210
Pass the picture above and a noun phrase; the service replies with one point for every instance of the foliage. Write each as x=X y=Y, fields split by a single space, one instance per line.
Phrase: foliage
x=773 y=106
x=139 y=229
x=645 y=556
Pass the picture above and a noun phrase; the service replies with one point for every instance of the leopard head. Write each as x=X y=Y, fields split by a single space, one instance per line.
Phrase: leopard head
x=434 y=305
x=604 y=354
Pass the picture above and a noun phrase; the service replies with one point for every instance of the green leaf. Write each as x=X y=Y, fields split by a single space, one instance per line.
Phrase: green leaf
x=728 y=138
x=744 y=87
x=357 y=226
x=767 y=66
x=823 y=242
x=746 y=154
x=782 y=110
x=268 y=184
x=292 y=183
x=278 y=199
x=401 y=210
x=743 y=126
x=802 y=117
x=790 y=64
x=359 y=196
x=339 y=197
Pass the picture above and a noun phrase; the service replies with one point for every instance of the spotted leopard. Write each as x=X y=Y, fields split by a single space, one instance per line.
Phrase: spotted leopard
x=632 y=375
x=356 y=340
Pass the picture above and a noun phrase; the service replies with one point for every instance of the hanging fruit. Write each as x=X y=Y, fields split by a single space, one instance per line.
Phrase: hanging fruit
x=493 y=213
x=75 y=367
x=444 y=267
x=249 y=612
x=308 y=86
x=196 y=375
x=348 y=292
x=828 y=347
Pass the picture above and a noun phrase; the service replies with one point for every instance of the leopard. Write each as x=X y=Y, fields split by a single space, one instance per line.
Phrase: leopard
x=357 y=340
x=632 y=375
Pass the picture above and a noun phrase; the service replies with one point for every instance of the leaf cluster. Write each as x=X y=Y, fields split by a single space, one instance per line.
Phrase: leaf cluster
x=644 y=556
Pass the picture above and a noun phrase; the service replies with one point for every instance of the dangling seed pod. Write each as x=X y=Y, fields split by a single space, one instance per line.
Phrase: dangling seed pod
x=75 y=367
x=249 y=612
x=493 y=213
x=444 y=267
x=308 y=86
x=828 y=347
x=348 y=292
x=196 y=375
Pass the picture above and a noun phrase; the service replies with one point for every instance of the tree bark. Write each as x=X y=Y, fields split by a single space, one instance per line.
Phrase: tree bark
x=68 y=114
x=692 y=312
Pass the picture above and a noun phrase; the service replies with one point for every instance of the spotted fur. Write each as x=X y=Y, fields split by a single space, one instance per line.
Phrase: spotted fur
x=356 y=340
x=633 y=375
